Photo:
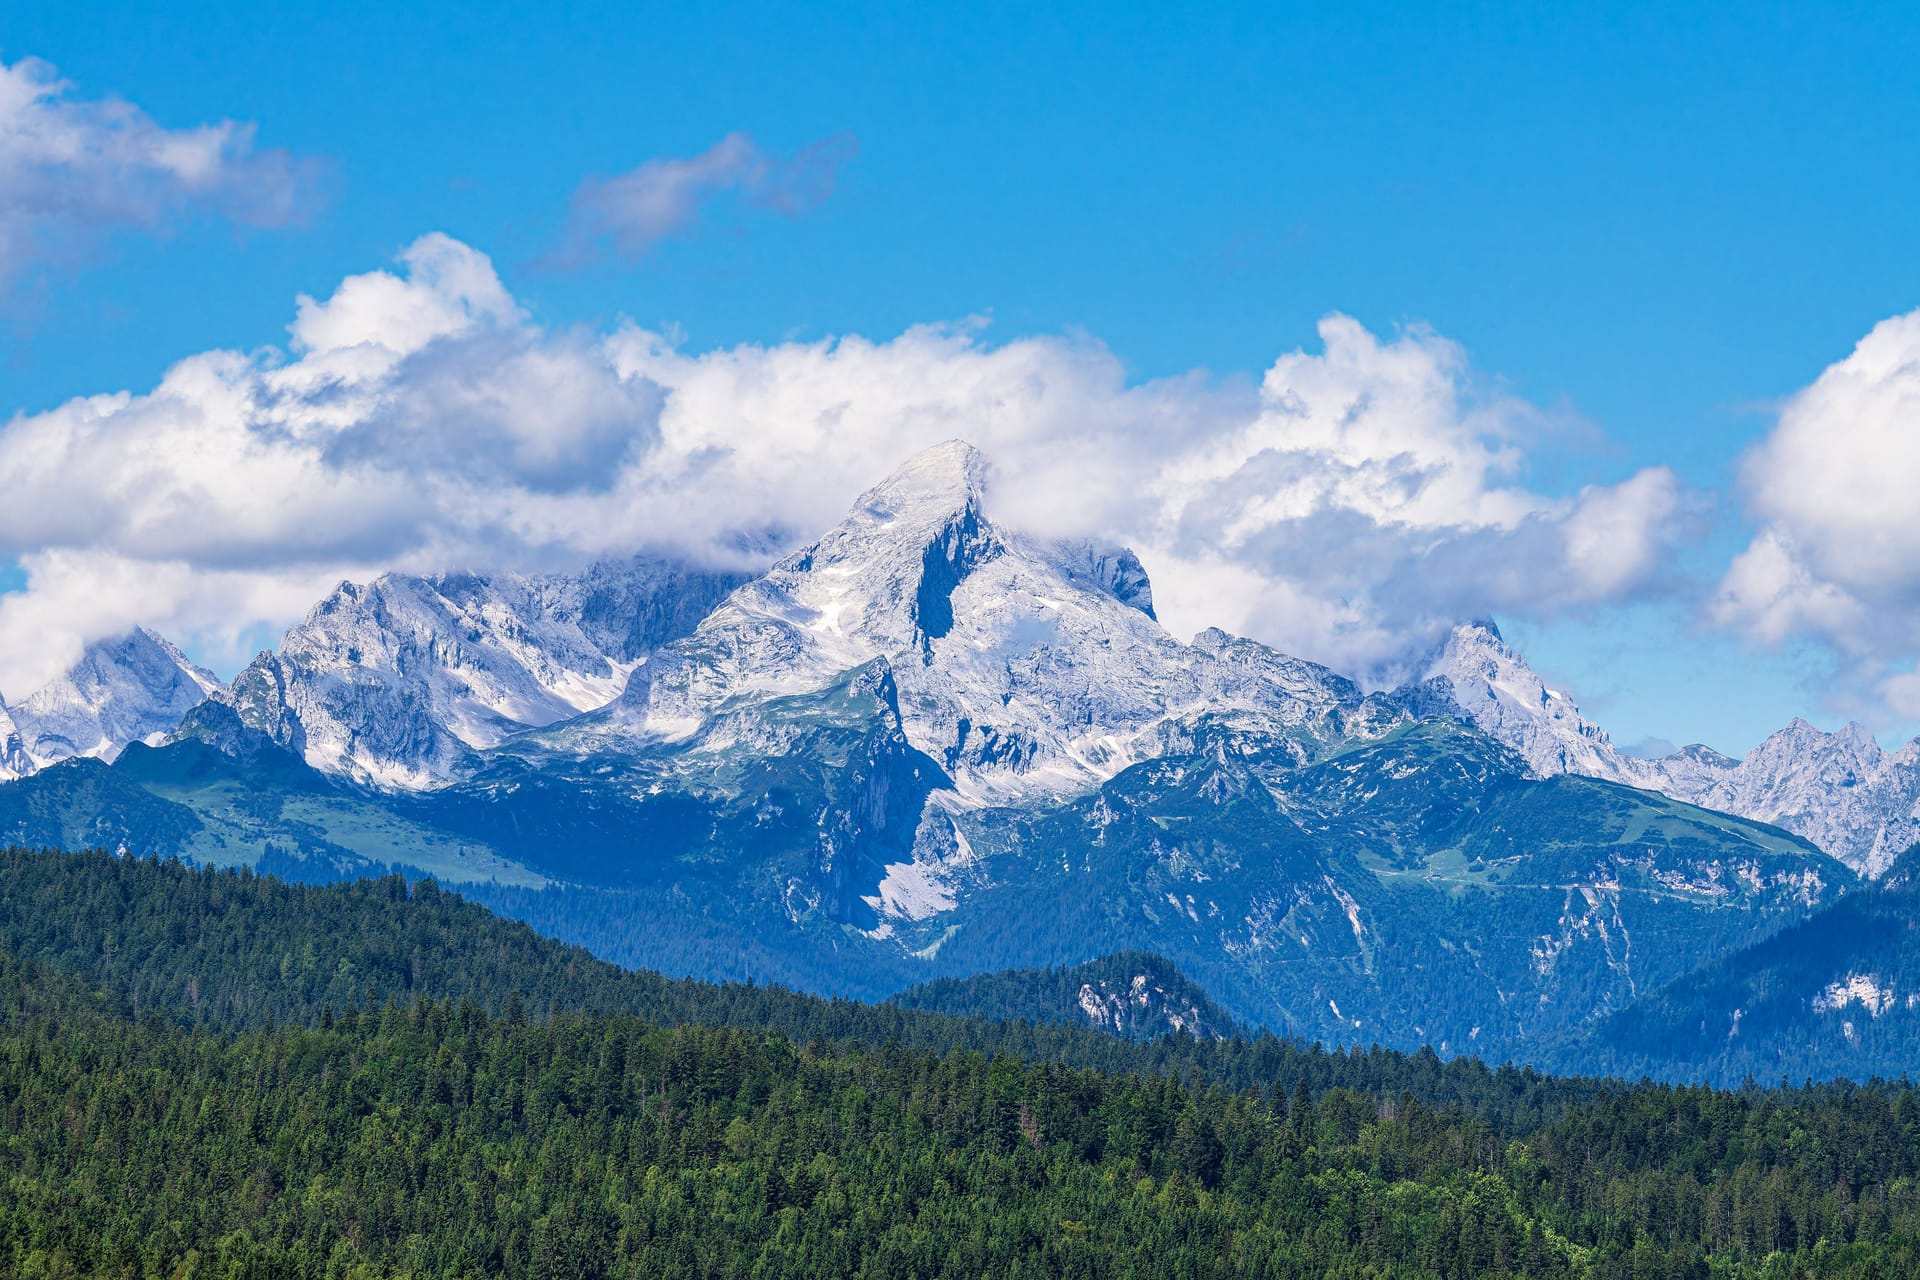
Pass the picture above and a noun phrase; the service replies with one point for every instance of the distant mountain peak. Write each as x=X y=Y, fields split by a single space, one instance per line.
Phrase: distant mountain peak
x=1490 y=683
x=1024 y=665
x=402 y=681
x=125 y=688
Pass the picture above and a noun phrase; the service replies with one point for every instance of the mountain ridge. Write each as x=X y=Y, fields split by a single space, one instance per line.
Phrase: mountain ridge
x=1841 y=790
x=123 y=689
x=927 y=745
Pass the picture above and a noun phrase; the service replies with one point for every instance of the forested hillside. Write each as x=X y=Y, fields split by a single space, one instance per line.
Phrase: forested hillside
x=219 y=1074
x=233 y=951
x=1135 y=994
x=434 y=1140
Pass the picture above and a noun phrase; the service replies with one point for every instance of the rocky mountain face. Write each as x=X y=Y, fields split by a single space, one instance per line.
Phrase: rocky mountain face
x=1842 y=790
x=126 y=689
x=1023 y=668
x=14 y=761
x=402 y=682
x=1475 y=673
x=929 y=745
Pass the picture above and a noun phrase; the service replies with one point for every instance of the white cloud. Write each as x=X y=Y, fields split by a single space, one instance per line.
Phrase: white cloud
x=73 y=171
x=1346 y=507
x=1836 y=557
x=633 y=211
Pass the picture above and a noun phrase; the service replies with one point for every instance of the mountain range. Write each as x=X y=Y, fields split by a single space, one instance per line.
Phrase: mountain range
x=1842 y=790
x=929 y=746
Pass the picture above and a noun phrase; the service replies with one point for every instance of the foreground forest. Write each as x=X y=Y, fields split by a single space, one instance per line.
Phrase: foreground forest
x=596 y=1123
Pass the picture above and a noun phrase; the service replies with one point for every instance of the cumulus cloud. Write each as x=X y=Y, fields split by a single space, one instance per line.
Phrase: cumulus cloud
x=1353 y=502
x=1836 y=556
x=631 y=212
x=73 y=171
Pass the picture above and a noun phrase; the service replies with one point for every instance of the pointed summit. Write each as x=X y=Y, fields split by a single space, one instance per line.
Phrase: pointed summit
x=1022 y=664
x=124 y=689
x=884 y=577
x=949 y=477
x=1475 y=674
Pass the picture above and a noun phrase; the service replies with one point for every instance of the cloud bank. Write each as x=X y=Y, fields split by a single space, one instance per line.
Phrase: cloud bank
x=1349 y=505
x=630 y=213
x=75 y=171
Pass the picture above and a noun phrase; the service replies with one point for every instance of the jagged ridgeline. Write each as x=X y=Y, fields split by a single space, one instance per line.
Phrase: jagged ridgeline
x=931 y=746
x=428 y=1139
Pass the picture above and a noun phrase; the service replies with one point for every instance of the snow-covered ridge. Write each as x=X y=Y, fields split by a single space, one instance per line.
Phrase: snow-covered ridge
x=129 y=688
x=403 y=681
x=1024 y=667
x=1842 y=790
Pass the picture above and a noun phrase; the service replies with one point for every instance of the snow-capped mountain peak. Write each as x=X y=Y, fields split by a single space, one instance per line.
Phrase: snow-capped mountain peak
x=886 y=574
x=1022 y=664
x=1486 y=680
x=127 y=688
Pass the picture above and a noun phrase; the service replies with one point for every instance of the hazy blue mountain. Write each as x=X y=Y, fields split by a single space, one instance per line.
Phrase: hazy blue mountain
x=1837 y=994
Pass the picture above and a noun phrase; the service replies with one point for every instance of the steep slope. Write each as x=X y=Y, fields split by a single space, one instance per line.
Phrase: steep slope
x=1856 y=801
x=1421 y=888
x=14 y=761
x=1135 y=995
x=402 y=682
x=1475 y=673
x=1838 y=994
x=130 y=688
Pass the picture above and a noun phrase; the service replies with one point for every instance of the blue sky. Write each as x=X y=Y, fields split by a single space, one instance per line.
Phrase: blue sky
x=1655 y=224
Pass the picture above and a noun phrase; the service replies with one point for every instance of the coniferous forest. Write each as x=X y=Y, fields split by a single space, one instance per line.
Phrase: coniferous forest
x=209 y=1074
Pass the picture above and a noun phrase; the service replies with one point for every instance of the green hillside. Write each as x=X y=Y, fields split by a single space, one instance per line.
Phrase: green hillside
x=1134 y=994
x=1837 y=994
x=419 y=1135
